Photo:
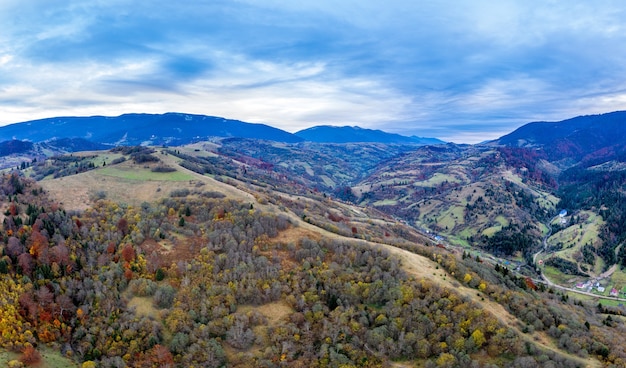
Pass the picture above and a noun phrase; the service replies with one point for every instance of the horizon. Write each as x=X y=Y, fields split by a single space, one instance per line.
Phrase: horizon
x=295 y=132
x=463 y=72
x=313 y=126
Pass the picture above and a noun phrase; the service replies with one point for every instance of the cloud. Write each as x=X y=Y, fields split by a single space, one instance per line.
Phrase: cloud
x=458 y=70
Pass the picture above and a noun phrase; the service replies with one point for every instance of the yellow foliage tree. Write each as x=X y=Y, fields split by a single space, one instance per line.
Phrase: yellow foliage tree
x=482 y=286
x=479 y=338
x=446 y=360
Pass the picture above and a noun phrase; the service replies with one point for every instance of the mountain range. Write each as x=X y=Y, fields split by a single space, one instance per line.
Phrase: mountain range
x=572 y=140
x=142 y=129
x=177 y=129
x=347 y=134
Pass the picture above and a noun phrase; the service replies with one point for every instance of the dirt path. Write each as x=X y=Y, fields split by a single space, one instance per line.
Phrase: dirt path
x=419 y=266
x=609 y=272
x=422 y=267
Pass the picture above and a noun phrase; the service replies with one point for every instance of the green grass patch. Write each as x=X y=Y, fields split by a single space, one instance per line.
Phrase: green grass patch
x=386 y=202
x=104 y=157
x=466 y=233
x=446 y=222
x=328 y=181
x=457 y=240
x=437 y=179
x=49 y=358
x=618 y=278
x=557 y=276
x=611 y=303
x=490 y=231
x=450 y=218
x=502 y=221
x=144 y=174
x=547 y=201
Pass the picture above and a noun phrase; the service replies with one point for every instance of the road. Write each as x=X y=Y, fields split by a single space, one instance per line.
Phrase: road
x=545 y=280
x=544 y=240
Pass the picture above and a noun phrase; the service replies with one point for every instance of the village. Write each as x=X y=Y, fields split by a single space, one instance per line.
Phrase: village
x=594 y=286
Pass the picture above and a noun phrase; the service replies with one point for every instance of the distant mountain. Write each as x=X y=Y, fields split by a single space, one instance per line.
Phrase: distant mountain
x=136 y=129
x=591 y=139
x=347 y=134
x=14 y=146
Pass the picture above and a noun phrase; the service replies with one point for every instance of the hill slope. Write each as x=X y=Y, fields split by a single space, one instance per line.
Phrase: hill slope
x=254 y=280
x=465 y=193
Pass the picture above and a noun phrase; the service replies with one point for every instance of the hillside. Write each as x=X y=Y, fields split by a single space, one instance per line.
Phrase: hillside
x=218 y=270
x=466 y=194
x=592 y=139
x=21 y=154
x=347 y=134
x=326 y=167
x=255 y=253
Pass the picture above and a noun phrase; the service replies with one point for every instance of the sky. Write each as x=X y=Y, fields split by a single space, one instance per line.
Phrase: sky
x=460 y=70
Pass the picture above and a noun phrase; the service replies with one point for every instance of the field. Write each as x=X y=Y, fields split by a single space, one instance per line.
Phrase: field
x=135 y=172
x=131 y=184
x=437 y=179
x=560 y=278
x=572 y=238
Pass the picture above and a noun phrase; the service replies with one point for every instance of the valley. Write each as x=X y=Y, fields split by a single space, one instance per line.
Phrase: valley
x=243 y=252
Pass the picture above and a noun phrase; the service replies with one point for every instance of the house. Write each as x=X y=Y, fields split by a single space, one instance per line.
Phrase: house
x=563 y=213
x=601 y=289
x=614 y=292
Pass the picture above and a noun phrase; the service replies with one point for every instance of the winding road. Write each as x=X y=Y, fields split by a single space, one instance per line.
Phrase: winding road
x=545 y=280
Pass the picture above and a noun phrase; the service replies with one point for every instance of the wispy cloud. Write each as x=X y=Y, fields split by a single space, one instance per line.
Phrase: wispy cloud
x=462 y=71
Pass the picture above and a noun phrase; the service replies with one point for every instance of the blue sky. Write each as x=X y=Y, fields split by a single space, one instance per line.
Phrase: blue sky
x=462 y=70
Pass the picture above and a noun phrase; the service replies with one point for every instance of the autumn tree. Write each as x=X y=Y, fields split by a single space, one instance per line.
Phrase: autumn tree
x=128 y=253
x=30 y=356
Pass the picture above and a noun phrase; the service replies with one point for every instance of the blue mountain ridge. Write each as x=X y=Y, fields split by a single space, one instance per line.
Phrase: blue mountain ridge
x=589 y=138
x=136 y=129
x=179 y=128
x=348 y=134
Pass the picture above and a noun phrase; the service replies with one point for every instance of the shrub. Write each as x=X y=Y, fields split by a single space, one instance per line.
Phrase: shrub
x=180 y=193
x=163 y=169
x=100 y=194
x=142 y=287
x=164 y=296
x=159 y=275
x=212 y=194
x=118 y=160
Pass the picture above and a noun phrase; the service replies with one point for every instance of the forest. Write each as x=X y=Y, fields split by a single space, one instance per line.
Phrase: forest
x=199 y=279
